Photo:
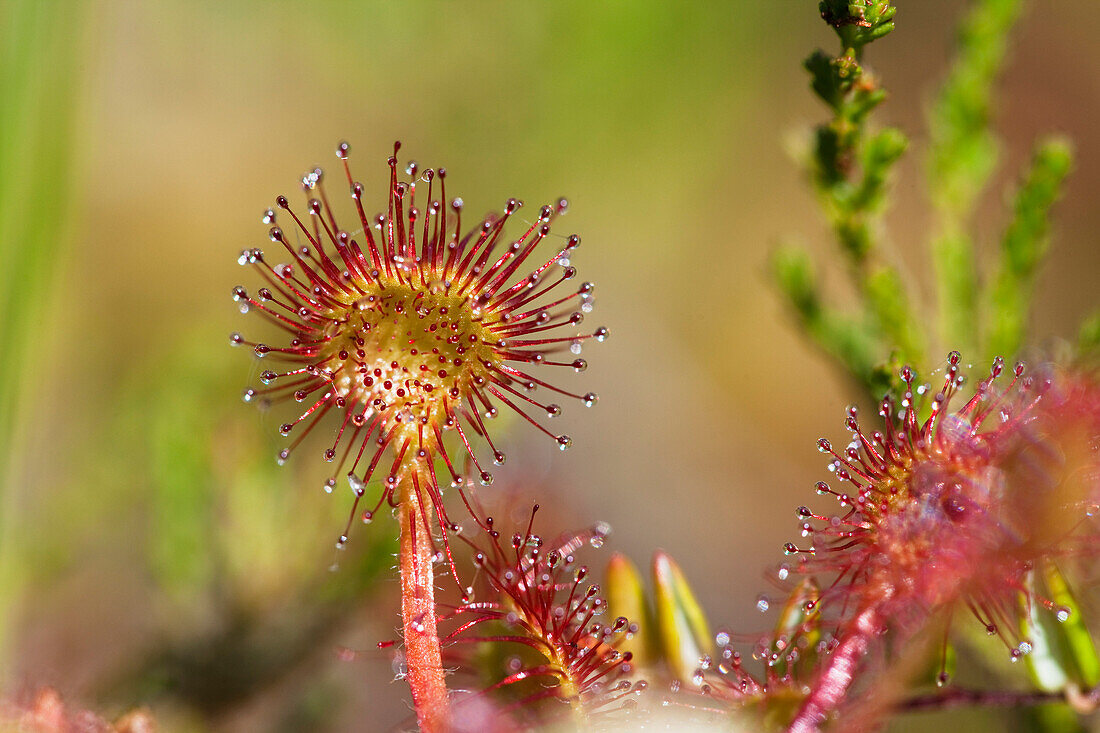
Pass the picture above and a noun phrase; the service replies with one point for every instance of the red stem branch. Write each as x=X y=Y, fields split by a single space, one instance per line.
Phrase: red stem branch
x=832 y=686
x=422 y=653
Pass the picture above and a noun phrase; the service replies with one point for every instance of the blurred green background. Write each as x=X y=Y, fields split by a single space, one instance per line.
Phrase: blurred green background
x=152 y=553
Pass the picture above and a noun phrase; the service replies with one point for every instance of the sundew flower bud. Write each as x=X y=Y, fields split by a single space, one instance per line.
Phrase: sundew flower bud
x=547 y=602
x=952 y=511
x=401 y=328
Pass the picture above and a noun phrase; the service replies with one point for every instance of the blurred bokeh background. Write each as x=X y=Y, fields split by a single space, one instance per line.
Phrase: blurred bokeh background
x=153 y=554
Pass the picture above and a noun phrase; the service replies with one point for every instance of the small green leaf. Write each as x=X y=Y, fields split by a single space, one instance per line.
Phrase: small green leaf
x=794 y=274
x=962 y=156
x=626 y=596
x=684 y=635
x=824 y=79
x=957 y=281
x=1047 y=662
x=846 y=339
x=1073 y=628
x=963 y=150
x=888 y=306
x=797 y=626
x=881 y=152
x=1024 y=246
x=858 y=22
x=1062 y=650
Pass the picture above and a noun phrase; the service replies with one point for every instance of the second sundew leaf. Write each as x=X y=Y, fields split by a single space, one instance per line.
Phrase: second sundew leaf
x=683 y=633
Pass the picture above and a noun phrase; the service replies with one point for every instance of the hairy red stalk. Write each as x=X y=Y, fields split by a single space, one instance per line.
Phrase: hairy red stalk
x=832 y=686
x=422 y=654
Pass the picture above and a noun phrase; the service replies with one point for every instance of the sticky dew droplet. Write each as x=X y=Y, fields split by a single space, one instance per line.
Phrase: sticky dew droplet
x=1021 y=650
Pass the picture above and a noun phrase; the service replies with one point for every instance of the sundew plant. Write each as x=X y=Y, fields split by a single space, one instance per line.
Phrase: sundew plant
x=971 y=495
x=386 y=486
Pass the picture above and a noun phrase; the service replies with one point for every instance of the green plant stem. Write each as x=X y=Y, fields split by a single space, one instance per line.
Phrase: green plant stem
x=1024 y=247
x=962 y=157
x=422 y=650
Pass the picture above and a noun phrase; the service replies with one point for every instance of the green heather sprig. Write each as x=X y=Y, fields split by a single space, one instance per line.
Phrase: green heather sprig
x=961 y=158
x=1023 y=247
x=850 y=166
